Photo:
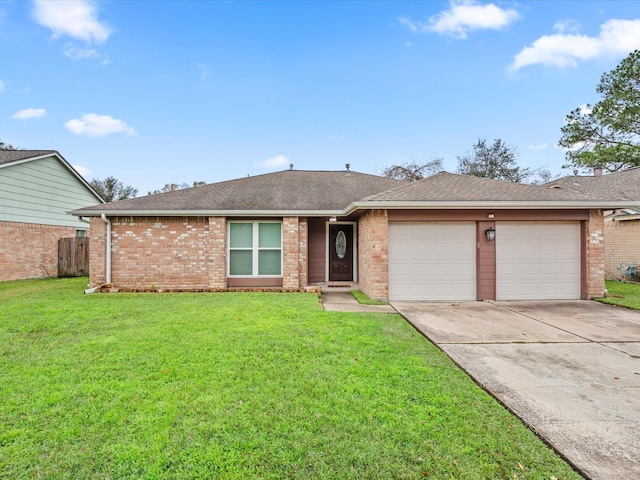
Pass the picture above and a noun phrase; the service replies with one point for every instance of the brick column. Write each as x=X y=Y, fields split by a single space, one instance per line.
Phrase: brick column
x=217 y=253
x=595 y=254
x=373 y=254
x=97 y=252
x=290 y=254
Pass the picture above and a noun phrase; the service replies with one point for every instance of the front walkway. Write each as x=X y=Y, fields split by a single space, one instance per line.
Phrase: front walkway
x=341 y=301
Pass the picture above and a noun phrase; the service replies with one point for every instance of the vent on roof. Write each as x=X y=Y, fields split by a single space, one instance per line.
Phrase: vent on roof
x=291 y=166
x=348 y=166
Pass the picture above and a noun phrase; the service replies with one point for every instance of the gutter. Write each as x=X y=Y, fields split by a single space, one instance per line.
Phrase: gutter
x=208 y=213
x=482 y=205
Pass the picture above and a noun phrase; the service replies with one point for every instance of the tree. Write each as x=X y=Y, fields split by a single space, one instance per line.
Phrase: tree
x=497 y=161
x=7 y=146
x=112 y=189
x=413 y=171
x=607 y=134
x=171 y=187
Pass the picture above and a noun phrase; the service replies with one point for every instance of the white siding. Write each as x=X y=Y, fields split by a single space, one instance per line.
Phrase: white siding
x=42 y=191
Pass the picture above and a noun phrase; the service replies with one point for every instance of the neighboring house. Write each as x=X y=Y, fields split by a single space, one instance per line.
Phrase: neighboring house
x=426 y=240
x=622 y=226
x=37 y=189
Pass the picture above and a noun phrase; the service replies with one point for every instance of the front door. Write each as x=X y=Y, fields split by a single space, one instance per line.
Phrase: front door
x=341 y=253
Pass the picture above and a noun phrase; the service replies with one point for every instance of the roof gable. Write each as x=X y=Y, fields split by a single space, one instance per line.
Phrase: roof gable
x=9 y=158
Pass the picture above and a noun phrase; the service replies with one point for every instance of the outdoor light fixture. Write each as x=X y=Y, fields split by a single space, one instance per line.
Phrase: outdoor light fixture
x=333 y=219
x=490 y=233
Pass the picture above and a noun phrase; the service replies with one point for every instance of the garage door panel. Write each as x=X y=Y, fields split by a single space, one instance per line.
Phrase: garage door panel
x=432 y=261
x=538 y=260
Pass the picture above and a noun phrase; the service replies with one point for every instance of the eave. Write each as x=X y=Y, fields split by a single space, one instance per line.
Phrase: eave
x=377 y=205
x=207 y=213
x=482 y=205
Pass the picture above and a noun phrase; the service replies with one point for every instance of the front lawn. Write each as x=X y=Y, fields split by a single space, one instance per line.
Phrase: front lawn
x=622 y=294
x=237 y=386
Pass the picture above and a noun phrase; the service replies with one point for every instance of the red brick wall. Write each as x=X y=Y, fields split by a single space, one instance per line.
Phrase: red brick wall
x=373 y=254
x=290 y=252
x=160 y=252
x=595 y=247
x=97 y=252
x=218 y=253
x=621 y=245
x=26 y=249
x=294 y=253
x=188 y=253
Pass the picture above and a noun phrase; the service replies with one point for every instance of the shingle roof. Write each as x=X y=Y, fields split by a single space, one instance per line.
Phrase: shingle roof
x=324 y=192
x=9 y=156
x=289 y=190
x=449 y=187
x=624 y=184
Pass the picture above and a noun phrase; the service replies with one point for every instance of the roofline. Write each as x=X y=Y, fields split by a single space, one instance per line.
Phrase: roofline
x=207 y=213
x=54 y=153
x=388 y=205
x=476 y=205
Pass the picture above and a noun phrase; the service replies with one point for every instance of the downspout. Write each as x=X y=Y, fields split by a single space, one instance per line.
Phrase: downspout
x=108 y=265
x=107 y=222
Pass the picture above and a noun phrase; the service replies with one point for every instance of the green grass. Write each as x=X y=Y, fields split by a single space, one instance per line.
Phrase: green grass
x=238 y=386
x=364 y=299
x=622 y=294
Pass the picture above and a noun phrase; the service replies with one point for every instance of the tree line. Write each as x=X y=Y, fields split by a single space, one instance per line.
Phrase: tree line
x=605 y=134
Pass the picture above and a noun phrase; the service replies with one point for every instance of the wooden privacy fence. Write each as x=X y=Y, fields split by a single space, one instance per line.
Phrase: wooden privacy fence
x=73 y=257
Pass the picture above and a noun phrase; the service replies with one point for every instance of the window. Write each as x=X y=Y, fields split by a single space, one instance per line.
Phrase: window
x=255 y=249
x=81 y=233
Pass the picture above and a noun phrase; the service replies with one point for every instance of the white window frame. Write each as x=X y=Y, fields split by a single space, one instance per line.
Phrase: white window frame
x=255 y=249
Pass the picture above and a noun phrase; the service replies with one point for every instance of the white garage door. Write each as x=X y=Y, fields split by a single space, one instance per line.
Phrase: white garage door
x=537 y=260
x=432 y=261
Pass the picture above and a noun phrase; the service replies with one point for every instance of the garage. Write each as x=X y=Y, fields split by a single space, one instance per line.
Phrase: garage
x=432 y=261
x=538 y=260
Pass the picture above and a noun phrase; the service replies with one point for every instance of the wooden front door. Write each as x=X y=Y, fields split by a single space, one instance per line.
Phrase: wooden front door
x=341 y=253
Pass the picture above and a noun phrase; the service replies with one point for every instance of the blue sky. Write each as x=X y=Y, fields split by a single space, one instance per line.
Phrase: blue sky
x=156 y=92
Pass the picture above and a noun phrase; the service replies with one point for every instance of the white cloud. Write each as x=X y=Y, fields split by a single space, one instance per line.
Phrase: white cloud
x=76 y=19
x=95 y=125
x=83 y=171
x=462 y=17
x=275 y=162
x=541 y=146
x=566 y=26
x=617 y=37
x=3 y=87
x=75 y=53
x=29 y=113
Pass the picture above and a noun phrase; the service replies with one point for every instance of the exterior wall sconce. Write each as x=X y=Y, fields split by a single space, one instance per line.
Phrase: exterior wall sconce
x=333 y=219
x=490 y=233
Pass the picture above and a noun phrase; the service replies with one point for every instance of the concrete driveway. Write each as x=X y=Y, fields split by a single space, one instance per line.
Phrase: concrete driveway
x=569 y=369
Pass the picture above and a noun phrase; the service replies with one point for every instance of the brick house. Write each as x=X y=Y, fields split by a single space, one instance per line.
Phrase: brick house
x=446 y=237
x=621 y=225
x=37 y=189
